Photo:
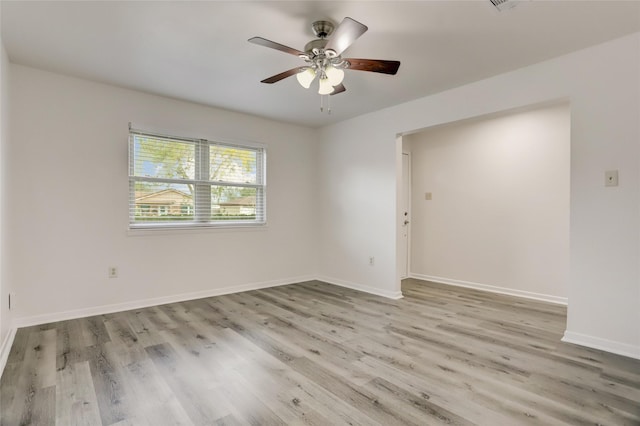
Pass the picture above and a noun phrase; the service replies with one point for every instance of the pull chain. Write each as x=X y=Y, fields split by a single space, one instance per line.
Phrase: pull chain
x=328 y=104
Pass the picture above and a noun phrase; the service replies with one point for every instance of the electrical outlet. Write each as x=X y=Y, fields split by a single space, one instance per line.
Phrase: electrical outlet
x=113 y=272
x=372 y=260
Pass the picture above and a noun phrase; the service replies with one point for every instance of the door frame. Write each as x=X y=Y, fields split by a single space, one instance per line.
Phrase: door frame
x=408 y=187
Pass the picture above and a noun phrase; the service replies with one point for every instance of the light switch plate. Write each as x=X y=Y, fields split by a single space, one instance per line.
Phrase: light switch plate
x=611 y=178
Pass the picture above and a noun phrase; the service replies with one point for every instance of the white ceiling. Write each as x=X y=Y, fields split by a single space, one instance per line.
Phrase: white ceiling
x=198 y=51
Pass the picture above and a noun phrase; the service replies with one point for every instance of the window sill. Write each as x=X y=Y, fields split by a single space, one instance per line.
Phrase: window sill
x=145 y=230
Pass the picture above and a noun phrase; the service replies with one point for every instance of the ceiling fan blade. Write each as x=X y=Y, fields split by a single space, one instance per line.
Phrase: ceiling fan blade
x=347 y=32
x=338 y=89
x=272 y=44
x=374 y=65
x=283 y=75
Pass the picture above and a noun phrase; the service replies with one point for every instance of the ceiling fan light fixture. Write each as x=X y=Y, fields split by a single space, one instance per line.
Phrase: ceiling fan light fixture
x=306 y=77
x=335 y=75
x=325 y=87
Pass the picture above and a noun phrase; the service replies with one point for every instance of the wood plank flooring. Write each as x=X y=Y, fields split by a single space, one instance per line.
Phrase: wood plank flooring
x=316 y=354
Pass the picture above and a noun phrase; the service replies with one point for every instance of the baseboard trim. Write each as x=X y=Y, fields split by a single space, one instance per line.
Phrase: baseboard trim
x=618 y=348
x=145 y=303
x=5 y=348
x=493 y=289
x=359 y=287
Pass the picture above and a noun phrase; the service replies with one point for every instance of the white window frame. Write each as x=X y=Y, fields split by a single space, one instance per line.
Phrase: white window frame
x=202 y=193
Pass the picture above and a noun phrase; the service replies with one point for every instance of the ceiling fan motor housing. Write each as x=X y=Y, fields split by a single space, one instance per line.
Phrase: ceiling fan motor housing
x=316 y=55
x=314 y=47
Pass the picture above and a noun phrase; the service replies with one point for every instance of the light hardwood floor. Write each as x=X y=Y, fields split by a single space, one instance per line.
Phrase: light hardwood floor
x=313 y=353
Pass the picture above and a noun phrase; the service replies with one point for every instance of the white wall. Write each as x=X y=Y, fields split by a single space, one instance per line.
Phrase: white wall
x=69 y=202
x=603 y=86
x=499 y=213
x=358 y=206
x=5 y=319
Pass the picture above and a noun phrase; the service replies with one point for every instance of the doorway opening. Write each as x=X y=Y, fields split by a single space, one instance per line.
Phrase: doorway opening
x=489 y=203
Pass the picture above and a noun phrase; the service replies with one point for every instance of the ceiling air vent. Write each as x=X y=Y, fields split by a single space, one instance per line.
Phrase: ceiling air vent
x=503 y=4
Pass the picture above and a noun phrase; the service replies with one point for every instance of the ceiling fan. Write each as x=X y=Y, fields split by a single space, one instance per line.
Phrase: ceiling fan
x=323 y=57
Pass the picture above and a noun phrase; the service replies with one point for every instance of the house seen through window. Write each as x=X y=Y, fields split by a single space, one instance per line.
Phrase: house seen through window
x=193 y=182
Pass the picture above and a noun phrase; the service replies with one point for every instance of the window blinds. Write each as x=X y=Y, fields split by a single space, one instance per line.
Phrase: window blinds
x=194 y=182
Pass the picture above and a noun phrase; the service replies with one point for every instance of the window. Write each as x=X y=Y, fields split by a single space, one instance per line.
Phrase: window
x=179 y=182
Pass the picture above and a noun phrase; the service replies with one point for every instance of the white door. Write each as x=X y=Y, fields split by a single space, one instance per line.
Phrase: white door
x=405 y=217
